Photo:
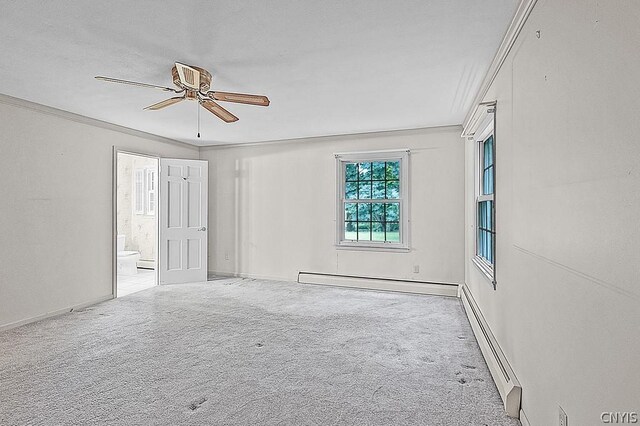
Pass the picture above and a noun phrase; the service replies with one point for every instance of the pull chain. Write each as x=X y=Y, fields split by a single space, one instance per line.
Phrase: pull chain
x=198 y=106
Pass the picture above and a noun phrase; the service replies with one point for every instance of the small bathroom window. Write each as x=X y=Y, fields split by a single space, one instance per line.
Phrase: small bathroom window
x=150 y=191
x=138 y=192
x=145 y=189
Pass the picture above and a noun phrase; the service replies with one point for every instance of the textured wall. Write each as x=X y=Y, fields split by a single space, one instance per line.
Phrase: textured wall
x=272 y=208
x=568 y=211
x=57 y=176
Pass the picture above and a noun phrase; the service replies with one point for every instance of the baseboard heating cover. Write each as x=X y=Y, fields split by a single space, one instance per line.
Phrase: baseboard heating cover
x=506 y=381
x=146 y=264
x=372 y=283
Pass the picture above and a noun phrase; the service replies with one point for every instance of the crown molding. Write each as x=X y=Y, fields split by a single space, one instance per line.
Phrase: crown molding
x=509 y=39
x=66 y=115
x=354 y=136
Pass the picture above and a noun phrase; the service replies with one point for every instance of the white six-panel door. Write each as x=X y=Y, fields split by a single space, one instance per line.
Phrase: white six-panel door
x=182 y=253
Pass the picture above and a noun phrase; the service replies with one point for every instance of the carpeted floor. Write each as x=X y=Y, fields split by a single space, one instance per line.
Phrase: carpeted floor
x=250 y=352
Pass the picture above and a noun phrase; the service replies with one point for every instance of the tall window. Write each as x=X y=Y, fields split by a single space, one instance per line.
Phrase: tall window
x=144 y=191
x=485 y=205
x=150 y=191
x=138 y=191
x=373 y=200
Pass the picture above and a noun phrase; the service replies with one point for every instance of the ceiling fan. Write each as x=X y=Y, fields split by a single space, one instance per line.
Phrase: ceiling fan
x=193 y=84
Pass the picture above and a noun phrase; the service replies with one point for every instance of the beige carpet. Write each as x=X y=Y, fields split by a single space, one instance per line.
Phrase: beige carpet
x=247 y=352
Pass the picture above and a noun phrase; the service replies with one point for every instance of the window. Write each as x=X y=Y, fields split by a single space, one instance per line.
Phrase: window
x=151 y=191
x=138 y=191
x=373 y=200
x=144 y=191
x=485 y=203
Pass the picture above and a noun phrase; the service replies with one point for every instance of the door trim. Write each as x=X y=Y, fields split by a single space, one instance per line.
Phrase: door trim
x=114 y=215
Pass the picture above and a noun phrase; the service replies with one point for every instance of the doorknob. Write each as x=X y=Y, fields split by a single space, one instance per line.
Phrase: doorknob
x=204 y=228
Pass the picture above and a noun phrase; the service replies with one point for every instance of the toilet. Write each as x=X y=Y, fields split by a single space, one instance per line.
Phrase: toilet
x=127 y=259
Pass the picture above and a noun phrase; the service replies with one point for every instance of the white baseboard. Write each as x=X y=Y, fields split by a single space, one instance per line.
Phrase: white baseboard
x=385 y=284
x=54 y=313
x=523 y=419
x=502 y=373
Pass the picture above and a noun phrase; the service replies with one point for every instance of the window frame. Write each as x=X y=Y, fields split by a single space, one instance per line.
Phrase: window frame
x=142 y=175
x=342 y=160
x=150 y=172
x=138 y=192
x=487 y=268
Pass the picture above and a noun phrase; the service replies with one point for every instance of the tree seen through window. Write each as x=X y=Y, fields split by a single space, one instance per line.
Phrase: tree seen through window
x=371 y=209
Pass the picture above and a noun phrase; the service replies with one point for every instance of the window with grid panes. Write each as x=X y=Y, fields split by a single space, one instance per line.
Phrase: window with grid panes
x=372 y=200
x=485 y=204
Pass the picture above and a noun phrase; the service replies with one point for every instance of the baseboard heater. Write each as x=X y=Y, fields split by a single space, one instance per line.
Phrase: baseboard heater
x=503 y=376
x=373 y=283
x=146 y=264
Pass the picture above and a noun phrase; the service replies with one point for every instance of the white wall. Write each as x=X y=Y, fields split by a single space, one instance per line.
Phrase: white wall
x=56 y=220
x=272 y=208
x=568 y=211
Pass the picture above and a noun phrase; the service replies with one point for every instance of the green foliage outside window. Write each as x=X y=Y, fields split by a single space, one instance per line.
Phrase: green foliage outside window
x=371 y=220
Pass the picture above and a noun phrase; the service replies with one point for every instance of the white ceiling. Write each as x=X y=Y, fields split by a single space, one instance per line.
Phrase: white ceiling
x=329 y=67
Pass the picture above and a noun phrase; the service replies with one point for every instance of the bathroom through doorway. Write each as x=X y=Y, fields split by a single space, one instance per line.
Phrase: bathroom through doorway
x=136 y=222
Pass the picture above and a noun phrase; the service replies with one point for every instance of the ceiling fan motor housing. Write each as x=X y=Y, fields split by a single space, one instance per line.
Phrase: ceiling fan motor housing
x=205 y=78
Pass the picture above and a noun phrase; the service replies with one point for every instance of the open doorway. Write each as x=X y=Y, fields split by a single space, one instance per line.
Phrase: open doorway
x=136 y=222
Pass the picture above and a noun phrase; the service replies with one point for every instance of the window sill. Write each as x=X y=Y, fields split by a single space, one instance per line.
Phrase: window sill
x=486 y=269
x=361 y=247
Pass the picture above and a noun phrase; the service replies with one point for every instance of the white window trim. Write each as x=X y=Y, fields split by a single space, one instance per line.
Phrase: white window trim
x=485 y=267
x=145 y=209
x=148 y=191
x=488 y=129
x=138 y=209
x=341 y=160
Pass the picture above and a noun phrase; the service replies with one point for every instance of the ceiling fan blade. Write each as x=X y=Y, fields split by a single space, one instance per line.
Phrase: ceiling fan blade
x=135 y=83
x=240 y=98
x=217 y=110
x=189 y=76
x=165 y=103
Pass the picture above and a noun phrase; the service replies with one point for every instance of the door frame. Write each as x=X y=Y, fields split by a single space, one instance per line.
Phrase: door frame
x=114 y=215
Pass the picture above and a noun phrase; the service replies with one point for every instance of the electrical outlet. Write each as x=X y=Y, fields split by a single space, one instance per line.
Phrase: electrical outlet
x=226 y=255
x=416 y=269
x=562 y=417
